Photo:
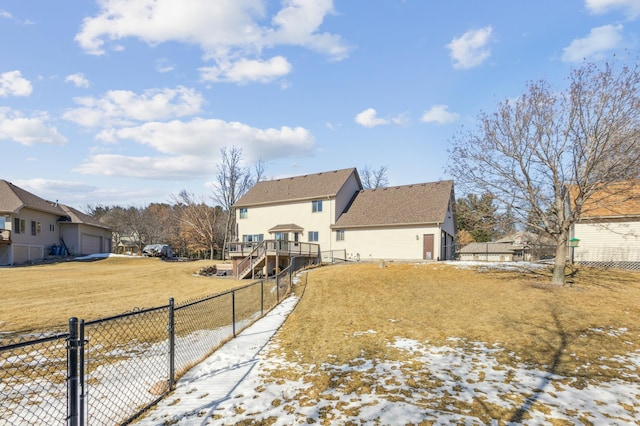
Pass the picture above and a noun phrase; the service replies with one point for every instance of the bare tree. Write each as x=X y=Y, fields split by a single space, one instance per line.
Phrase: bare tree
x=199 y=221
x=547 y=153
x=374 y=178
x=233 y=180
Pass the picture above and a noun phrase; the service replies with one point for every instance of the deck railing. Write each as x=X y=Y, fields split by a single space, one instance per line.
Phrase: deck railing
x=253 y=253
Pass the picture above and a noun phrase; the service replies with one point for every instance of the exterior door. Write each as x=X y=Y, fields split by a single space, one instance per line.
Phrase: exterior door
x=427 y=246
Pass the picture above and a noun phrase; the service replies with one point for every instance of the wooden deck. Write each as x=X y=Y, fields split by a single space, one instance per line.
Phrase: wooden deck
x=258 y=260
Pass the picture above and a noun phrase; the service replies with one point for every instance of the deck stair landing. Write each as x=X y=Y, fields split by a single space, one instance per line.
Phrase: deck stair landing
x=273 y=249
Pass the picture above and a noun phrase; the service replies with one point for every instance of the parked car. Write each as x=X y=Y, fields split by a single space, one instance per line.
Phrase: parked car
x=157 y=250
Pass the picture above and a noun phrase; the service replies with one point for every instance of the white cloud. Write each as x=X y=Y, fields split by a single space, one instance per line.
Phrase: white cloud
x=122 y=107
x=630 y=7
x=368 y=118
x=246 y=70
x=78 y=79
x=13 y=84
x=439 y=114
x=297 y=24
x=28 y=130
x=471 y=49
x=600 y=40
x=191 y=149
x=227 y=31
x=163 y=65
x=76 y=194
x=4 y=14
x=179 y=167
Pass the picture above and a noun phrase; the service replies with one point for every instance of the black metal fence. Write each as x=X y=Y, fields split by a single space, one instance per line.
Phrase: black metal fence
x=109 y=371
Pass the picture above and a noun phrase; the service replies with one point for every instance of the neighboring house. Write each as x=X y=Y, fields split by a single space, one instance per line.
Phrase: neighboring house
x=609 y=227
x=488 y=252
x=515 y=247
x=331 y=209
x=31 y=228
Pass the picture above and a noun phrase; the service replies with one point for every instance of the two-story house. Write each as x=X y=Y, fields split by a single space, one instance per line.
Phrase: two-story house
x=32 y=228
x=333 y=211
x=609 y=226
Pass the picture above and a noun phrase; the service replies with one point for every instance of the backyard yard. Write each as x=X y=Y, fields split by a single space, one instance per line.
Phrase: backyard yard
x=399 y=343
x=444 y=344
x=42 y=298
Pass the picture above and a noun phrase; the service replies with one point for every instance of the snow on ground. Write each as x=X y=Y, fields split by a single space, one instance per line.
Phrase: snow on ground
x=233 y=385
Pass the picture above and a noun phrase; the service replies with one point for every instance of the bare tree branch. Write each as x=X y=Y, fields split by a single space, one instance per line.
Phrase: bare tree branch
x=547 y=153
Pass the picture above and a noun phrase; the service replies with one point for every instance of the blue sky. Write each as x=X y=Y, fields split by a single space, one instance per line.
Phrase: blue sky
x=129 y=101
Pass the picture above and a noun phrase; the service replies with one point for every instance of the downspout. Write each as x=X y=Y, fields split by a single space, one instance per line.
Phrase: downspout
x=331 y=222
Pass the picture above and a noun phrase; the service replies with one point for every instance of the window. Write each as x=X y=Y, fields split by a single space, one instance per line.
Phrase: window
x=340 y=235
x=52 y=227
x=316 y=206
x=244 y=213
x=19 y=226
x=36 y=228
x=258 y=237
x=313 y=236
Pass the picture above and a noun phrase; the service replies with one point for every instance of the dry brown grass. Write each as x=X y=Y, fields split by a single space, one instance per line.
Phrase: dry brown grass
x=43 y=297
x=544 y=325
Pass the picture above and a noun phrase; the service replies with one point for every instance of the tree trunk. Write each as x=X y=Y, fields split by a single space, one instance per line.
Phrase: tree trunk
x=560 y=264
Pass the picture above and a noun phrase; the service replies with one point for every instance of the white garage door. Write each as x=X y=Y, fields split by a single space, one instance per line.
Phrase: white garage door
x=91 y=244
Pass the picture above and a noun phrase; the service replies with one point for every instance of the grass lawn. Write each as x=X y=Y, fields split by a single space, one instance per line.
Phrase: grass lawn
x=42 y=298
x=477 y=342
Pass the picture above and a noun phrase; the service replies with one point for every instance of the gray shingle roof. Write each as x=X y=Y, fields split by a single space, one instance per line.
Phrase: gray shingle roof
x=319 y=185
x=77 y=216
x=422 y=203
x=492 y=248
x=13 y=198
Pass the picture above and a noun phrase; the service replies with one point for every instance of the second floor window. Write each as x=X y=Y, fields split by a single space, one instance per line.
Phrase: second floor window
x=340 y=235
x=313 y=236
x=244 y=213
x=316 y=206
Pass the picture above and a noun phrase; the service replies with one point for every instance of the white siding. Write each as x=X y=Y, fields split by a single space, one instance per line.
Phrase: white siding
x=490 y=257
x=344 y=196
x=404 y=243
x=615 y=241
x=260 y=219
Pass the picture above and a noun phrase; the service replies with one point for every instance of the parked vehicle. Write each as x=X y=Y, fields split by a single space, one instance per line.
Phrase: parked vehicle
x=157 y=250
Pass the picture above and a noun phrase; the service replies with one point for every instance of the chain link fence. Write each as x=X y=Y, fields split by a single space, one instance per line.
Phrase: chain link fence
x=109 y=371
x=33 y=380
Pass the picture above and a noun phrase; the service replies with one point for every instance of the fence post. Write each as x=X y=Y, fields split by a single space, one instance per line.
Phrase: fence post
x=233 y=312
x=262 y=298
x=172 y=344
x=72 y=373
x=277 y=289
x=83 y=404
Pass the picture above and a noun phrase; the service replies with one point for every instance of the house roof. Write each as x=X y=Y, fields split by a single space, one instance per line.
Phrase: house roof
x=613 y=201
x=490 y=248
x=13 y=199
x=319 y=185
x=420 y=203
x=287 y=227
x=76 y=216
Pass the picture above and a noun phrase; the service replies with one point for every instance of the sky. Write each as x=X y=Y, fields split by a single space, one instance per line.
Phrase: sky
x=128 y=102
